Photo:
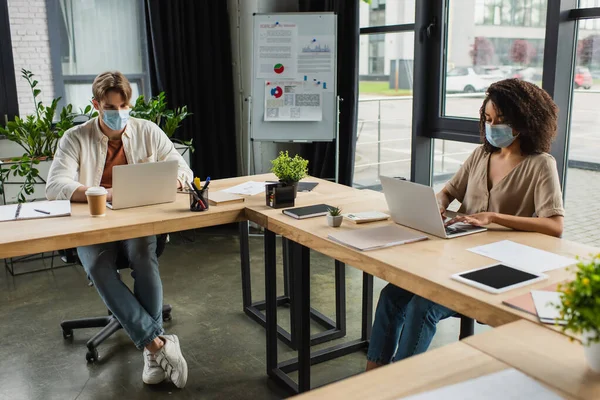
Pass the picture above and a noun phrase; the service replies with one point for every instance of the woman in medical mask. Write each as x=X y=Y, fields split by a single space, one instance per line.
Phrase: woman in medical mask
x=510 y=180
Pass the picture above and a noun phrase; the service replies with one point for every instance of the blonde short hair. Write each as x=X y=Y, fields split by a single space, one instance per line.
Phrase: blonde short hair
x=111 y=81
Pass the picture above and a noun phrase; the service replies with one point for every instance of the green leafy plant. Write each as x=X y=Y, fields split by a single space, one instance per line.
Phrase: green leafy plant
x=334 y=211
x=289 y=169
x=155 y=110
x=38 y=134
x=580 y=305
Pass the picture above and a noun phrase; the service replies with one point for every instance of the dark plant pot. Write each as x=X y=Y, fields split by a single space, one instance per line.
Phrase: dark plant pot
x=294 y=184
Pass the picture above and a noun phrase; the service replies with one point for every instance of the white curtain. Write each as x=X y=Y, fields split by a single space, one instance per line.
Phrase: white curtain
x=102 y=35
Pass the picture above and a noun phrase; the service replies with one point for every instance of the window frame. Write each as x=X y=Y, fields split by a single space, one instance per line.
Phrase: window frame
x=61 y=80
x=9 y=101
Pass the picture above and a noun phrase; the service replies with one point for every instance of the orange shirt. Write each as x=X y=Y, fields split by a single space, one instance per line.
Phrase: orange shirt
x=115 y=155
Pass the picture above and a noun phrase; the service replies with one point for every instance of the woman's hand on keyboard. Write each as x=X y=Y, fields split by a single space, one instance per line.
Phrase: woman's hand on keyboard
x=479 y=219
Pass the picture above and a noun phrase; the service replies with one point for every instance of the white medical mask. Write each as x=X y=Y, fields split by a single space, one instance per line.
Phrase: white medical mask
x=115 y=119
x=500 y=135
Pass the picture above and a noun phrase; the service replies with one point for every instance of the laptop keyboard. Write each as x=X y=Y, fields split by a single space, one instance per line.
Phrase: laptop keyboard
x=453 y=229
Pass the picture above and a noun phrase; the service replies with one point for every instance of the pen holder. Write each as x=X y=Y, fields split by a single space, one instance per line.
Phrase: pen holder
x=199 y=202
x=279 y=195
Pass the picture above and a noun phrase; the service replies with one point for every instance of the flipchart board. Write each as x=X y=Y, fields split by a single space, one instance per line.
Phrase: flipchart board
x=294 y=91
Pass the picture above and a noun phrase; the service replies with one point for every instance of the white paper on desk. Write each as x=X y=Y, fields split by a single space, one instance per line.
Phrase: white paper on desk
x=545 y=306
x=7 y=213
x=509 y=384
x=249 y=188
x=523 y=257
x=56 y=208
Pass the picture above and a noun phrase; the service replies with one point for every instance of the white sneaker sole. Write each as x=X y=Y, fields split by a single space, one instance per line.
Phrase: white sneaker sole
x=181 y=382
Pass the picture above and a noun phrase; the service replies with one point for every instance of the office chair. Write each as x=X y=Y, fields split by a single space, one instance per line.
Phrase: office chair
x=109 y=324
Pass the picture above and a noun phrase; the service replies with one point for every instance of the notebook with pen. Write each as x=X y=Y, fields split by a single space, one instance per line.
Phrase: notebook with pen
x=34 y=210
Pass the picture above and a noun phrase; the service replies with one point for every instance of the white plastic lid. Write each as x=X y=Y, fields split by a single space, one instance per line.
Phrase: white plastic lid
x=96 y=191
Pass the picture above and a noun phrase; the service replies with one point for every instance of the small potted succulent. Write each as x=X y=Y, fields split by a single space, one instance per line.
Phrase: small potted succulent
x=580 y=308
x=289 y=170
x=334 y=216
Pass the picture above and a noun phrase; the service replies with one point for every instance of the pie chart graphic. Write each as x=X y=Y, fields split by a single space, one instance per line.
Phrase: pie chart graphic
x=277 y=92
x=278 y=68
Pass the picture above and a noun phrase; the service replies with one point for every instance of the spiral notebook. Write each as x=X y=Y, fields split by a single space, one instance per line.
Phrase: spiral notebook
x=35 y=209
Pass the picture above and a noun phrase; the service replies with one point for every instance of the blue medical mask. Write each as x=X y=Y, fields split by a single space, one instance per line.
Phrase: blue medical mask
x=500 y=135
x=115 y=119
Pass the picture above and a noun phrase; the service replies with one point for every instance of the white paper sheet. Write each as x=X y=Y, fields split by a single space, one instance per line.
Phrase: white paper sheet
x=316 y=60
x=523 y=257
x=249 y=188
x=508 y=384
x=292 y=101
x=56 y=208
x=277 y=50
x=545 y=306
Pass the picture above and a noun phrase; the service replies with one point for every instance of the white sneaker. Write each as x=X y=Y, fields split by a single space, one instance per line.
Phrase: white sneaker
x=153 y=373
x=171 y=360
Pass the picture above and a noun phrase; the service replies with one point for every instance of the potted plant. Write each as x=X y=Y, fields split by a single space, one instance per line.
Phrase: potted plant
x=38 y=136
x=155 y=110
x=289 y=170
x=334 y=216
x=580 y=308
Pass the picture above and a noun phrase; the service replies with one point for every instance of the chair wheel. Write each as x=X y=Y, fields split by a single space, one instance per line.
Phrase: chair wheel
x=67 y=333
x=92 y=356
x=167 y=317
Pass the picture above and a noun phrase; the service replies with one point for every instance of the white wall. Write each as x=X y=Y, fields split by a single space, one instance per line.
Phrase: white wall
x=31 y=50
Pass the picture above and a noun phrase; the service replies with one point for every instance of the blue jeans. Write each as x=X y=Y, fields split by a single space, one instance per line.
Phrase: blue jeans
x=404 y=325
x=140 y=312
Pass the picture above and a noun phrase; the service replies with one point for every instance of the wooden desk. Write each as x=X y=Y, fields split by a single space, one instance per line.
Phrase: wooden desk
x=425 y=267
x=542 y=354
x=18 y=238
x=445 y=366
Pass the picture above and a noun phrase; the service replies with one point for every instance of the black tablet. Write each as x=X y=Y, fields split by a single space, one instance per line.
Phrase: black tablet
x=498 y=278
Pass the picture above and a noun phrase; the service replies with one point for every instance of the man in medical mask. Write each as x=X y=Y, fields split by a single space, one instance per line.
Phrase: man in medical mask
x=85 y=157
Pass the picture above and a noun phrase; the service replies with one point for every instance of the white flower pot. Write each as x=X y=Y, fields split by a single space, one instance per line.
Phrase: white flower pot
x=591 y=350
x=184 y=151
x=334 y=221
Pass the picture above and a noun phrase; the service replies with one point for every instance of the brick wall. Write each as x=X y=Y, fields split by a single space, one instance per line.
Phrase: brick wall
x=31 y=50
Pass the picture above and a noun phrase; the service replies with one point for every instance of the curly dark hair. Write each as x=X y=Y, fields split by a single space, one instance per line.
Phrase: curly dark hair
x=526 y=108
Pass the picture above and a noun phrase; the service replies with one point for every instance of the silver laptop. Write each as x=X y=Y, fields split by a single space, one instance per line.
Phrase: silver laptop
x=415 y=206
x=135 y=185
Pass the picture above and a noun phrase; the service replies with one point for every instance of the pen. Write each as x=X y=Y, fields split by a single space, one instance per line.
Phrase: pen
x=197 y=182
x=41 y=211
x=206 y=183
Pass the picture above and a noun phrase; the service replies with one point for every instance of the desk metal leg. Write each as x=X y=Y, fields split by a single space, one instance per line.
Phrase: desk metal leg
x=333 y=329
x=245 y=264
x=367 y=307
x=300 y=290
x=300 y=257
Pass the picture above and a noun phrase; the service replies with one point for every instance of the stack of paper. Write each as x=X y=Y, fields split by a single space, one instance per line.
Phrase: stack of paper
x=546 y=306
x=249 y=188
x=503 y=385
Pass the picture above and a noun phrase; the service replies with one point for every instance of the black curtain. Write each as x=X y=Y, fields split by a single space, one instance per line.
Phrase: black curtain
x=190 y=59
x=322 y=159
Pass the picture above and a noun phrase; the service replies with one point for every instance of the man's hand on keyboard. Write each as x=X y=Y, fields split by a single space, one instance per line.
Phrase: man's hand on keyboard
x=479 y=219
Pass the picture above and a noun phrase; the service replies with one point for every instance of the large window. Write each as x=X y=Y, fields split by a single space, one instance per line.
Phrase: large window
x=583 y=177
x=385 y=91
x=479 y=55
x=521 y=13
x=94 y=36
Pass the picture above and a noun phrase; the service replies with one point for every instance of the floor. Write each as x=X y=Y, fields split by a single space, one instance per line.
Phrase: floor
x=225 y=350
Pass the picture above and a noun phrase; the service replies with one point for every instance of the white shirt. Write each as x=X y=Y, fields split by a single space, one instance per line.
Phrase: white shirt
x=81 y=155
